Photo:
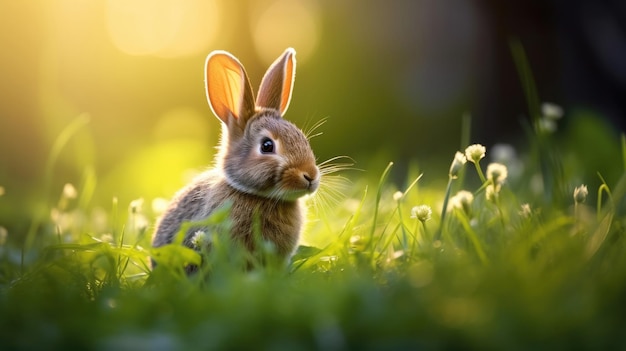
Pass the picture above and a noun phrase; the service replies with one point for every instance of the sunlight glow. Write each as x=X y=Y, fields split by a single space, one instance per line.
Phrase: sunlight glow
x=184 y=123
x=283 y=24
x=168 y=28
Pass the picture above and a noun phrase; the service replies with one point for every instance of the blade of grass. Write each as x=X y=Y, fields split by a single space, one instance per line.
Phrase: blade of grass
x=527 y=80
x=57 y=147
x=624 y=151
x=381 y=181
x=444 y=209
x=478 y=247
x=603 y=188
x=598 y=236
x=88 y=187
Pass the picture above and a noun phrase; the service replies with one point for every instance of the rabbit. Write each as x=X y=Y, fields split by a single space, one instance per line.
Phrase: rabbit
x=264 y=166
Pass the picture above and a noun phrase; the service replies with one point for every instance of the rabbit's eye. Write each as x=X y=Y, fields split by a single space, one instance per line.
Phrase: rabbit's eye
x=267 y=146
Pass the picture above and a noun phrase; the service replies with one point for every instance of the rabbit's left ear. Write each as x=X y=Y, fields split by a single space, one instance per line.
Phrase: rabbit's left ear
x=228 y=88
x=277 y=84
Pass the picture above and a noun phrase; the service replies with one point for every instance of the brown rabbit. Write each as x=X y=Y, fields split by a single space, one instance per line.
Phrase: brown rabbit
x=264 y=166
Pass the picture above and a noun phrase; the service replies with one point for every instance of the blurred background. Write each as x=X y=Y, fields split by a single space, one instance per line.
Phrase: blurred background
x=393 y=78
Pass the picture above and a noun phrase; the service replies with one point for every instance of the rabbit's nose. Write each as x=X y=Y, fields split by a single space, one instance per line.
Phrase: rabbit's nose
x=312 y=179
x=308 y=178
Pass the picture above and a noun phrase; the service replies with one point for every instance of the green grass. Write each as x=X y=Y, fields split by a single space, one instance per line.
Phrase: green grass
x=489 y=275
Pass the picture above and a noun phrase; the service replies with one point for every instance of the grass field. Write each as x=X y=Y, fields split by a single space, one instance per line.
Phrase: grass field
x=524 y=257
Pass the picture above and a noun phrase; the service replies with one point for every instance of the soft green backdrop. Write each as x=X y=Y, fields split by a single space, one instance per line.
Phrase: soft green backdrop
x=393 y=79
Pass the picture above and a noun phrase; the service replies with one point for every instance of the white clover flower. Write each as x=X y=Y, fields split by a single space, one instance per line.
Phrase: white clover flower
x=475 y=153
x=551 y=111
x=136 y=205
x=421 y=212
x=580 y=194
x=462 y=201
x=69 y=191
x=497 y=173
x=457 y=164
x=397 y=196
x=201 y=239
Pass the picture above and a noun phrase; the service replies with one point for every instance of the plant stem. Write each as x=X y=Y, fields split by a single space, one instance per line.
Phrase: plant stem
x=480 y=173
x=443 y=210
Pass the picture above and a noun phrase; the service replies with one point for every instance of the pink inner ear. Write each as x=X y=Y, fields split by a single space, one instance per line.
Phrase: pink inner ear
x=277 y=84
x=226 y=85
x=234 y=93
x=287 y=84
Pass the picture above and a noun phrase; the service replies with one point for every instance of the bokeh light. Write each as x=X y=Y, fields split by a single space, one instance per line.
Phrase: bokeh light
x=184 y=123
x=392 y=79
x=167 y=28
x=285 y=23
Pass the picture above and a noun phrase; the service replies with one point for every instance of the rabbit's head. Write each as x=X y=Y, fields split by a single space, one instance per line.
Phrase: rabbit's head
x=261 y=153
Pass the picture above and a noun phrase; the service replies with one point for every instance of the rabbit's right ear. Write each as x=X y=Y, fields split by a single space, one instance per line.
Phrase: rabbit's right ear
x=228 y=88
x=277 y=84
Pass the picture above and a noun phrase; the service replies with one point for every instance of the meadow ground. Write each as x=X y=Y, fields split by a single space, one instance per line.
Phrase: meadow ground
x=504 y=252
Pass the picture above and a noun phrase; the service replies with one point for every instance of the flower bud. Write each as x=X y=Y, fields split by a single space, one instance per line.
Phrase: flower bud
x=580 y=194
x=457 y=164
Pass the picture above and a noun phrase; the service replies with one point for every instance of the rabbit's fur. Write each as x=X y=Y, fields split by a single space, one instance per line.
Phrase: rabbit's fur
x=259 y=185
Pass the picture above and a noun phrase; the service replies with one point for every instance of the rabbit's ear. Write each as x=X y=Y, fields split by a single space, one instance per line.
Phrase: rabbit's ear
x=277 y=84
x=228 y=87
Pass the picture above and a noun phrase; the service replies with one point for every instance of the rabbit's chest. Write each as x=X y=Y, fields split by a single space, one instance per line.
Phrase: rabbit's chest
x=278 y=222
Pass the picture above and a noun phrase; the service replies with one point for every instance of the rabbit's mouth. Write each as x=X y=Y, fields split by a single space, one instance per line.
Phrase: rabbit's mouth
x=293 y=195
x=302 y=181
x=294 y=184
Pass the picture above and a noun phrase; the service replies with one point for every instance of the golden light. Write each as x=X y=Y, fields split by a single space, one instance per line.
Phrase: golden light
x=185 y=123
x=167 y=28
x=285 y=23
